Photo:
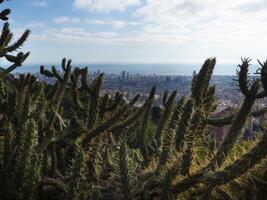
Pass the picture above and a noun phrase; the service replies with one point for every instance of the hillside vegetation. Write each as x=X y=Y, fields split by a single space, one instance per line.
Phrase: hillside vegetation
x=65 y=141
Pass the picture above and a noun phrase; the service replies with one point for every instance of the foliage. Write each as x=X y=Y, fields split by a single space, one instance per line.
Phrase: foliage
x=70 y=141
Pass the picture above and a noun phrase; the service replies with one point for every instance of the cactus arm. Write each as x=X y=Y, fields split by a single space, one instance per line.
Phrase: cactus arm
x=176 y=116
x=54 y=161
x=6 y=35
x=8 y=139
x=18 y=60
x=164 y=99
x=93 y=102
x=201 y=81
x=102 y=105
x=56 y=74
x=165 y=117
x=45 y=72
x=141 y=135
x=263 y=73
x=168 y=138
x=106 y=107
x=60 y=92
x=125 y=185
x=84 y=83
x=236 y=127
x=129 y=120
x=106 y=125
x=243 y=76
x=8 y=70
x=54 y=182
x=166 y=183
x=136 y=115
x=63 y=64
x=19 y=42
x=240 y=166
x=56 y=100
x=77 y=183
x=75 y=93
x=218 y=122
x=117 y=101
x=184 y=124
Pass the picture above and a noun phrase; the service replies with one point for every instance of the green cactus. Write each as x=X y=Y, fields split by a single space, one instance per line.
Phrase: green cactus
x=70 y=141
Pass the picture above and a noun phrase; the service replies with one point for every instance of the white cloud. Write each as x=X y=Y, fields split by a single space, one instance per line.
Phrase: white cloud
x=116 y=24
x=205 y=21
x=105 y=5
x=84 y=35
x=41 y=4
x=135 y=23
x=65 y=19
x=34 y=24
x=76 y=35
x=186 y=22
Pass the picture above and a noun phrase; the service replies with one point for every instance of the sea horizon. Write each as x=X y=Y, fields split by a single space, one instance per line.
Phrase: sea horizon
x=165 y=69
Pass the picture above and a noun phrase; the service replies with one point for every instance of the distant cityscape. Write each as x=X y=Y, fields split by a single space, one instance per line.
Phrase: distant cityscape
x=130 y=84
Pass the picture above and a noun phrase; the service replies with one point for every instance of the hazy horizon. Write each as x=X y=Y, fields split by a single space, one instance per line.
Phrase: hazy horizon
x=142 y=68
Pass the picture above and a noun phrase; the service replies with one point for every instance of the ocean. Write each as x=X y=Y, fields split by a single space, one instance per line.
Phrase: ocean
x=145 y=69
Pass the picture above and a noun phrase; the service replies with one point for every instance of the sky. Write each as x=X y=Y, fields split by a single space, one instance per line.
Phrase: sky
x=141 y=31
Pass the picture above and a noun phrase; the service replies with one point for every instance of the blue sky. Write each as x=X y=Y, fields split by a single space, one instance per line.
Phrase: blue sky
x=141 y=31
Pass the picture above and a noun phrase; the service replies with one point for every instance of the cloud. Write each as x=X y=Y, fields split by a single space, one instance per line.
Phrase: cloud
x=84 y=35
x=257 y=6
x=35 y=24
x=187 y=22
x=105 y=5
x=116 y=24
x=41 y=4
x=76 y=35
x=133 y=23
x=199 y=28
x=65 y=19
x=205 y=21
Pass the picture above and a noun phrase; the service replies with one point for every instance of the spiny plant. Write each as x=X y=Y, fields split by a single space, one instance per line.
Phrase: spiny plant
x=101 y=150
x=8 y=46
x=70 y=141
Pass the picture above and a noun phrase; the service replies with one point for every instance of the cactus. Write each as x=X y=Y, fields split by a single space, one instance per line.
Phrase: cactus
x=8 y=47
x=102 y=147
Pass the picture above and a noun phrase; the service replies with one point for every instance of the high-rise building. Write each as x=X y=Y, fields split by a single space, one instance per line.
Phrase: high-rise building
x=123 y=75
